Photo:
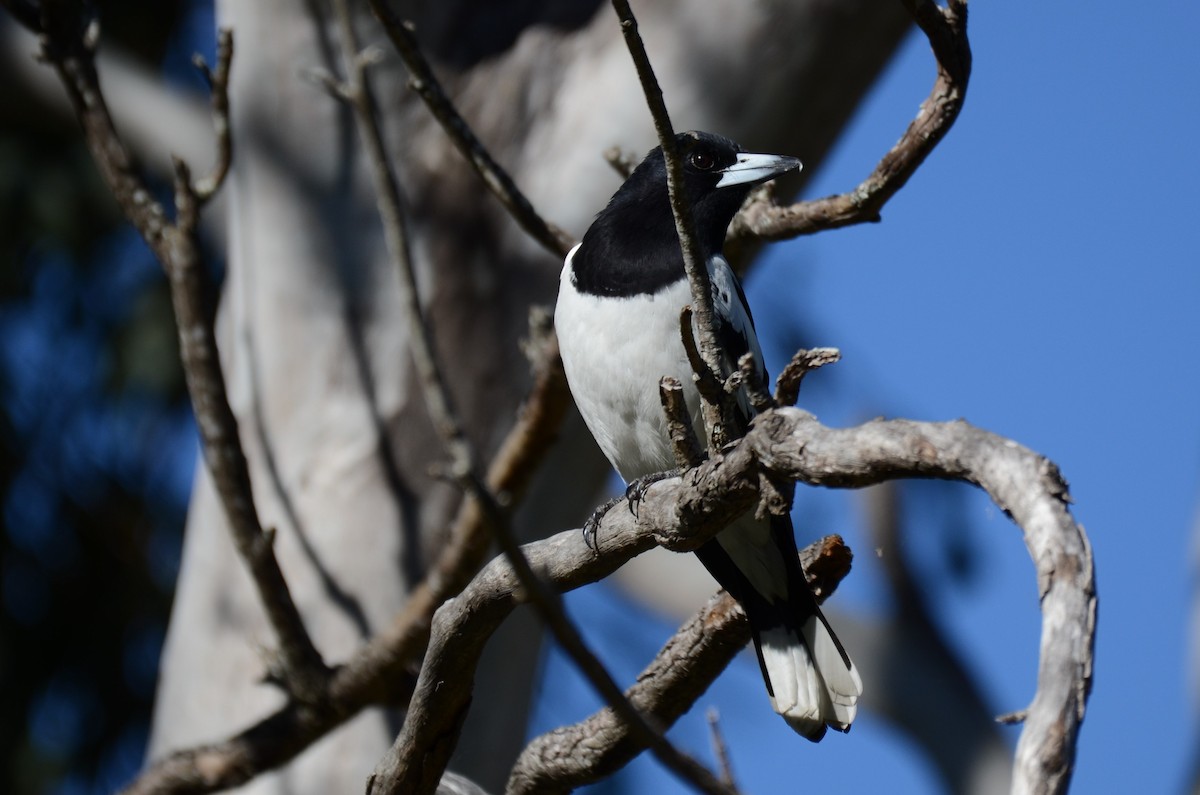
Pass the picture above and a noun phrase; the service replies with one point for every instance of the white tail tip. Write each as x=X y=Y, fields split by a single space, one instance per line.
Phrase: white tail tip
x=814 y=685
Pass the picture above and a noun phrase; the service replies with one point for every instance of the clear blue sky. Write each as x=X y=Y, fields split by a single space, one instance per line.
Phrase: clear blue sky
x=1040 y=277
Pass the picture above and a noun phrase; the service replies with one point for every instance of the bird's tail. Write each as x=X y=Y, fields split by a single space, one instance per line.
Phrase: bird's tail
x=812 y=681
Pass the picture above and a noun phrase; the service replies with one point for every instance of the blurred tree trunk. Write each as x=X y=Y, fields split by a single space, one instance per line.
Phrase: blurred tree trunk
x=315 y=348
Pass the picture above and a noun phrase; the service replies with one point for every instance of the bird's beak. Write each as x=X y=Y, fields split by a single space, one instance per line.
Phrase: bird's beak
x=751 y=169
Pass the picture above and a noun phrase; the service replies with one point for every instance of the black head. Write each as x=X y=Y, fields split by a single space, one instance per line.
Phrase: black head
x=632 y=246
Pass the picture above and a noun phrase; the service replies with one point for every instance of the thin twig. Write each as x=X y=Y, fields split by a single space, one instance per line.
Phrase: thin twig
x=688 y=452
x=621 y=161
x=946 y=29
x=787 y=385
x=711 y=388
x=391 y=206
x=218 y=86
x=714 y=412
x=750 y=382
x=66 y=44
x=425 y=83
x=720 y=749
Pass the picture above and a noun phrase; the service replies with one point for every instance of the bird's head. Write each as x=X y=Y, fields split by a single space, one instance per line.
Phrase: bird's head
x=632 y=246
x=717 y=175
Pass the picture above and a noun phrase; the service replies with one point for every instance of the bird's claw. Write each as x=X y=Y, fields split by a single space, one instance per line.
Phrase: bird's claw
x=637 y=488
x=591 y=527
x=633 y=495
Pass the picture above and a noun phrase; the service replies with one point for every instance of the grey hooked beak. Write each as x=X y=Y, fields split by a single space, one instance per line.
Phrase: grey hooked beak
x=751 y=169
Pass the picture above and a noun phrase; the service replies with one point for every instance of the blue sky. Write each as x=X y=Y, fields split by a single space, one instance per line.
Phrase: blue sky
x=1039 y=277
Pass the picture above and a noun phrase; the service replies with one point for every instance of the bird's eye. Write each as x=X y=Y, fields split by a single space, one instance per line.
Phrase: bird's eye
x=702 y=160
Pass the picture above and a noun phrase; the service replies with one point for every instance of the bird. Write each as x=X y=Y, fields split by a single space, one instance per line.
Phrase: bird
x=617 y=319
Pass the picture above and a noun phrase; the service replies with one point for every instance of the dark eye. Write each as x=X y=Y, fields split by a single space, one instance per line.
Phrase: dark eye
x=702 y=160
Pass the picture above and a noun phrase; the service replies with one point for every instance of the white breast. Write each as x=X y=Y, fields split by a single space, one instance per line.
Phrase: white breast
x=614 y=351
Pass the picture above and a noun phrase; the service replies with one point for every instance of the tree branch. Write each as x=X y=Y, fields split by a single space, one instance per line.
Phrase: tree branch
x=598 y=746
x=425 y=83
x=68 y=45
x=787 y=385
x=946 y=29
x=688 y=452
x=218 y=85
x=1031 y=491
x=682 y=513
x=720 y=749
x=382 y=670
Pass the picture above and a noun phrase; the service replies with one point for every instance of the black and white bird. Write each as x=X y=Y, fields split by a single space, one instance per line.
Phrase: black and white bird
x=617 y=318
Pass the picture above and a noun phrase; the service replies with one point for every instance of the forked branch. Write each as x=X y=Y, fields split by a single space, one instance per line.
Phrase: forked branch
x=68 y=41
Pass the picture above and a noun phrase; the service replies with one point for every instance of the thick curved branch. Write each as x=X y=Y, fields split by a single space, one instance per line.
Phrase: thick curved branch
x=946 y=29
x=682 y=513
x=583 y=753
x=1030 y=490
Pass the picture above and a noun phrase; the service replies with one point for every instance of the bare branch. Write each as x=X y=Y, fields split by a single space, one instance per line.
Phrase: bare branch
x=67 y=46
x=946 y=29
x=377 y=673
x=688 y=452
x=583 y=753
x=383 y=670
x=720 y=749
x=755 y=389
x=682 y=513
x=787 y=385
x=1029 y=489
x=218 y=86
x=423 y=81
x=710 y=387
x=622 y=162
x=391 y=206
x=462 y=627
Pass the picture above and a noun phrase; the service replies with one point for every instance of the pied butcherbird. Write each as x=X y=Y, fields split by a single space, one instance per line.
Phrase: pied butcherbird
x=618 y=325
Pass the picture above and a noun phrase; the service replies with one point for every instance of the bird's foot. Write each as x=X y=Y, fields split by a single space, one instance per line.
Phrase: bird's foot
x=592 y=526
x=633 y=495
x=637 y=488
